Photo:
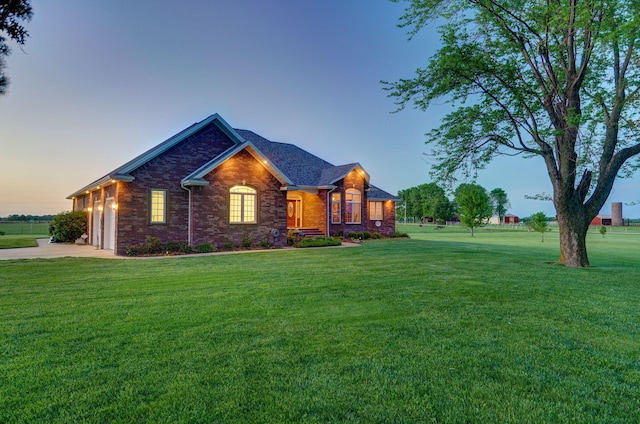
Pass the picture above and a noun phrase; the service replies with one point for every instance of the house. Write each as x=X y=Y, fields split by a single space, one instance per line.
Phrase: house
x=511 y=219
x=213 y=183
x=507 y=219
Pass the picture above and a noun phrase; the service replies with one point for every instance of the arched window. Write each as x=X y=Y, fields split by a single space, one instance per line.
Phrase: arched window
x=242 y=205
x=353 y=206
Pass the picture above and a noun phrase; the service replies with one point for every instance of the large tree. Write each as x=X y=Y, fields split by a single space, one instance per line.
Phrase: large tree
x=499 y=202
x=435 y=203
x=473 y=205
x=12 y=14
x=558 y=80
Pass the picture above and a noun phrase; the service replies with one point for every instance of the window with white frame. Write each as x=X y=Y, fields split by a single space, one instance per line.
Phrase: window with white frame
x=336 y=208
x=242 y=205
x=353 y=206
x=375 y=210
x=158 y=206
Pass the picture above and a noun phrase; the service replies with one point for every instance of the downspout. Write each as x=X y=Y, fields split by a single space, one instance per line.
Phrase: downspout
x=188 y=215
x=329 y=210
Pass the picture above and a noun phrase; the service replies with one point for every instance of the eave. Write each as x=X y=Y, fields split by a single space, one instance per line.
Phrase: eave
x=102 y=182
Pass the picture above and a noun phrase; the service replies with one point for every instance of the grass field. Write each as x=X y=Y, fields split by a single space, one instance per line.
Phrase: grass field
x=439 y=328
x=22 y=234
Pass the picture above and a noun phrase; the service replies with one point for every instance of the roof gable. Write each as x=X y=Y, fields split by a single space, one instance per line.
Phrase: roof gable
x=196 y=178
x=178 y=138
x=122 y=173
x=291 y=165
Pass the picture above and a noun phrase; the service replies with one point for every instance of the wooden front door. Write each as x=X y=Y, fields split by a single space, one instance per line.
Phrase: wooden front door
x=294 y=216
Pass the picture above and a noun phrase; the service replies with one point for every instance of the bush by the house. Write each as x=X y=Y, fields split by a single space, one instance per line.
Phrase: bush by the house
x=318 y=242
x=205 y=248
x=178 y=247
x=360 y=235
x=67 y=227
x=228 y=244
x=398 y=235
x=294 y=237
x=247 y=242
x=376 y=236
x=154 y=246
x=265 y=244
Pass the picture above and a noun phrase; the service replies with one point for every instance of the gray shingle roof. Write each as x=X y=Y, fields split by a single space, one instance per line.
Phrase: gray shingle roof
x=298 y=165
x=294 y=165
x=377 y=194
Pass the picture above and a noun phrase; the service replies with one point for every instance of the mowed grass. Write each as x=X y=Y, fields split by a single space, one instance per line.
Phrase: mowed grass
x=22 y=234
x=439 y=328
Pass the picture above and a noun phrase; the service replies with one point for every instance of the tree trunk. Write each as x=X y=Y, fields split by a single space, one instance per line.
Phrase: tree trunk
x=573 y=237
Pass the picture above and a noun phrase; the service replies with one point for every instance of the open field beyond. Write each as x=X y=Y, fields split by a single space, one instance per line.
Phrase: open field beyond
x=439 y=328
x=22 y=234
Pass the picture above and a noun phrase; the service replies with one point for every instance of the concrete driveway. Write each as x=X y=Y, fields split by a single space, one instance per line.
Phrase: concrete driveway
x=56 y=250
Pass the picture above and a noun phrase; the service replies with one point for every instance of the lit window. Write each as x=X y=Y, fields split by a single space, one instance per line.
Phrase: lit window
x=158 y=206
x=375 y=211
x=242 y=205
x=353 y=206
x=336 y=208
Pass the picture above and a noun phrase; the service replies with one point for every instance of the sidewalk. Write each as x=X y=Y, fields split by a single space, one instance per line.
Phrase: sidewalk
x=56 y=250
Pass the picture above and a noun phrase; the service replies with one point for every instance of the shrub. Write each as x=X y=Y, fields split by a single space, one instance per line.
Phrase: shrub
x=376 y=236
x=178 y=247
x=398 y=235
x=69 y=226
x=318 y=242
x=152 y=246
x=294 y=236
x=133 y=250
x=205 y=248
x=265 y=244
x=360 y=235
x=228 y=244
x=247 y=242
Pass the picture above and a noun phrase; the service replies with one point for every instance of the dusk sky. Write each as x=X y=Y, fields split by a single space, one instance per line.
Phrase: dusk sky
x=99 y=82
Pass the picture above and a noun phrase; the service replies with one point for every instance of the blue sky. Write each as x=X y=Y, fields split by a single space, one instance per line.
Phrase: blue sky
x=100 y=82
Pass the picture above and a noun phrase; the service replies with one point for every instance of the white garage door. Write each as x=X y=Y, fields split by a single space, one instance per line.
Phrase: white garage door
x=109 y=224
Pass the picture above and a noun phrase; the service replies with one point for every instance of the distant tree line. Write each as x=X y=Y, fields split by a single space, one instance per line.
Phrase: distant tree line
x=27 y=218
x=472 y=205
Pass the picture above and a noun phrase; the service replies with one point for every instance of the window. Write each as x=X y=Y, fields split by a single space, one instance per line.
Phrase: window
x=242 y=205
x=336 y=208
x=353 y=206
x=158 y=206
x=375 y=211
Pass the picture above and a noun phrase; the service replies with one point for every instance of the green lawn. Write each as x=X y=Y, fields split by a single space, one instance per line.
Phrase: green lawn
x=439 y=328
x=22 y=234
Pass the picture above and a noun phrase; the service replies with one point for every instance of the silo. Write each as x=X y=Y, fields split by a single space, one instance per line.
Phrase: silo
x=616 y=214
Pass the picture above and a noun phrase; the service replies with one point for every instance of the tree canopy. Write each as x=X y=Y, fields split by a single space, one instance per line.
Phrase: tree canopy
x=499 y=202
x=555 y=80
x=539 y=223
x=427 y=201
x=473 y=205
x=12 y=15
